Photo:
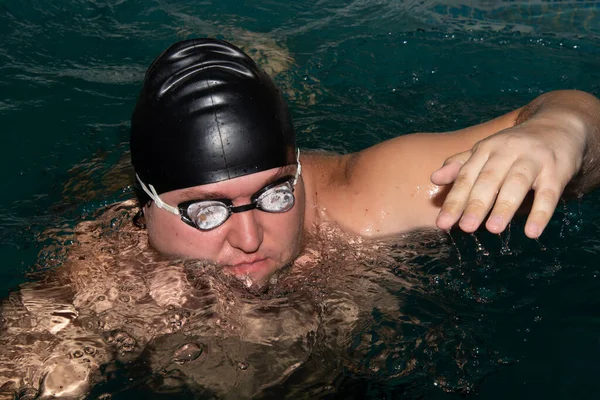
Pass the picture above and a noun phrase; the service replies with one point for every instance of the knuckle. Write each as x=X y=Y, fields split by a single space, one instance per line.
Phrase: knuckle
x=487 y=176
x=521 y=178
x=547 y=156
x=458 y=158
x=452 y=206
x=516 y=142
x=476 y=204
x=478 y=145
x=506 y=203
x=572 y=165
x=485 y=146
x=462 y=181
x=512 y=140
x=451 y=159
x=541 y=216
x=549 y=194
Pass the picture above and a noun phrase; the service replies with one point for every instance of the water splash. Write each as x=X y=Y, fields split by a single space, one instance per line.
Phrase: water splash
x=455 y=248
x=505 y=249
x=480 y=249
x=347 y=303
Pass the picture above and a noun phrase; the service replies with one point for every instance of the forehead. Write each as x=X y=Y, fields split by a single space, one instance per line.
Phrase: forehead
x=243 y=186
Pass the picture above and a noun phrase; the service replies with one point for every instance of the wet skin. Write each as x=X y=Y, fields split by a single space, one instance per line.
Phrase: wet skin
x=475 y=176
x=250 y=245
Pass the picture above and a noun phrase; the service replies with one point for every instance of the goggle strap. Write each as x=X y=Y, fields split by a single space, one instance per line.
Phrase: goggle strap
x=156 y=198
x=174 y=210
x=244 y=208
x=299 y=168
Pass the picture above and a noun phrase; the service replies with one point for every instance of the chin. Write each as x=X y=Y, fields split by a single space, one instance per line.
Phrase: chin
x=257 y=275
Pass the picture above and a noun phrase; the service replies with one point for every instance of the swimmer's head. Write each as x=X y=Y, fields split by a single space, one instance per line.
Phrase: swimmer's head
x=207 y=113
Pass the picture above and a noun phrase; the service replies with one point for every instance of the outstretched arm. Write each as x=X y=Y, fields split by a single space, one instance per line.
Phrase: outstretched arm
x=554 y=145
x=548 y=146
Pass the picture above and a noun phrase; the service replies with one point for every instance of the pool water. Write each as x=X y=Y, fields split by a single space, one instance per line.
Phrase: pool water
x=505 y=316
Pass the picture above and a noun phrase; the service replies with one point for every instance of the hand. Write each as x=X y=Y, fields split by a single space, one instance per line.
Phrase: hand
x=541 y=155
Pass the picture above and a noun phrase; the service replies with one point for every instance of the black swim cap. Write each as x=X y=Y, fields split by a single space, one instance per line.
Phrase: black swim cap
x=207 y=113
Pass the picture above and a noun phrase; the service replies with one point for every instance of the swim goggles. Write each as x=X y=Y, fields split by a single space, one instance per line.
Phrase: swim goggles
x=205 y=215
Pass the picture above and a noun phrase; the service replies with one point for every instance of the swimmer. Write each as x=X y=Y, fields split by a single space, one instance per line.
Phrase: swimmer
x=220 y=177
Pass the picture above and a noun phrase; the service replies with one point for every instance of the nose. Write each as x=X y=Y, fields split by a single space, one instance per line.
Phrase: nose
x=245 y=232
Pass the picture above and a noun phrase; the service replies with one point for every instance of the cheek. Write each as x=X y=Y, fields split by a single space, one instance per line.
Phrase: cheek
x=286 y=230
x=169 y=235
x=160 y=231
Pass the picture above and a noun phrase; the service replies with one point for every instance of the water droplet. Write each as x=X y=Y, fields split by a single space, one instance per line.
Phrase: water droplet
x=480 y=248
x=78 y=354
x=505 y=249
x=542 y=247
x=187 y=352
x=243 y=365
x=455 y=248
x=506 y=361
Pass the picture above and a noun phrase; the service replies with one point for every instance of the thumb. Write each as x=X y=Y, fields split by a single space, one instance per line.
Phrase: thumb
x=449 y=170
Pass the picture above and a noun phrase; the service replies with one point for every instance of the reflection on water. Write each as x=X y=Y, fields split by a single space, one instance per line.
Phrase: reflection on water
x=530 y=16
x=116 y=317
x=378 y=319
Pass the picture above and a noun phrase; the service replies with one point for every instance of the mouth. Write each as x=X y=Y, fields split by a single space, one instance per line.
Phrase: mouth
x=245 y=269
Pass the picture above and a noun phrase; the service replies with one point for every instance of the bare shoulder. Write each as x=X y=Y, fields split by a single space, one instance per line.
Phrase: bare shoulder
x=324 y=174
x=386 y=189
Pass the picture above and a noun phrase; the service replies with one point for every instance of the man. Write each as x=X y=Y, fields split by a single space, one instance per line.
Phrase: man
x=220 y=178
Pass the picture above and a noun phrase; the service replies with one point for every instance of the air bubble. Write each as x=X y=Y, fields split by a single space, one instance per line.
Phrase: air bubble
x=187 y=352
x=123 y=341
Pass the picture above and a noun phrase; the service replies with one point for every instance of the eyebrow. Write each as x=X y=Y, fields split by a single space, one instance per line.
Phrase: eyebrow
x=192 y=194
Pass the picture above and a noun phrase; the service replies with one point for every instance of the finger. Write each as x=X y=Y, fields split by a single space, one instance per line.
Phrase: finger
x=547 y=195
x=484 y=192
x=448 y=172
x=456 y=200
x=517 y=183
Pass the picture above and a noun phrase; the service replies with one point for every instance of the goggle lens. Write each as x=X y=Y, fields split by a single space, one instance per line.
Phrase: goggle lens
x=207 y=215
x=277 y=199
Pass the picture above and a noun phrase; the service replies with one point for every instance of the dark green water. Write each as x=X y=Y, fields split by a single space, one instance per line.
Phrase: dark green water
x=359 y=72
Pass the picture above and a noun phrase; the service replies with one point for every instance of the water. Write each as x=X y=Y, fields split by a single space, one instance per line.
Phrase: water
x=466 y=319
